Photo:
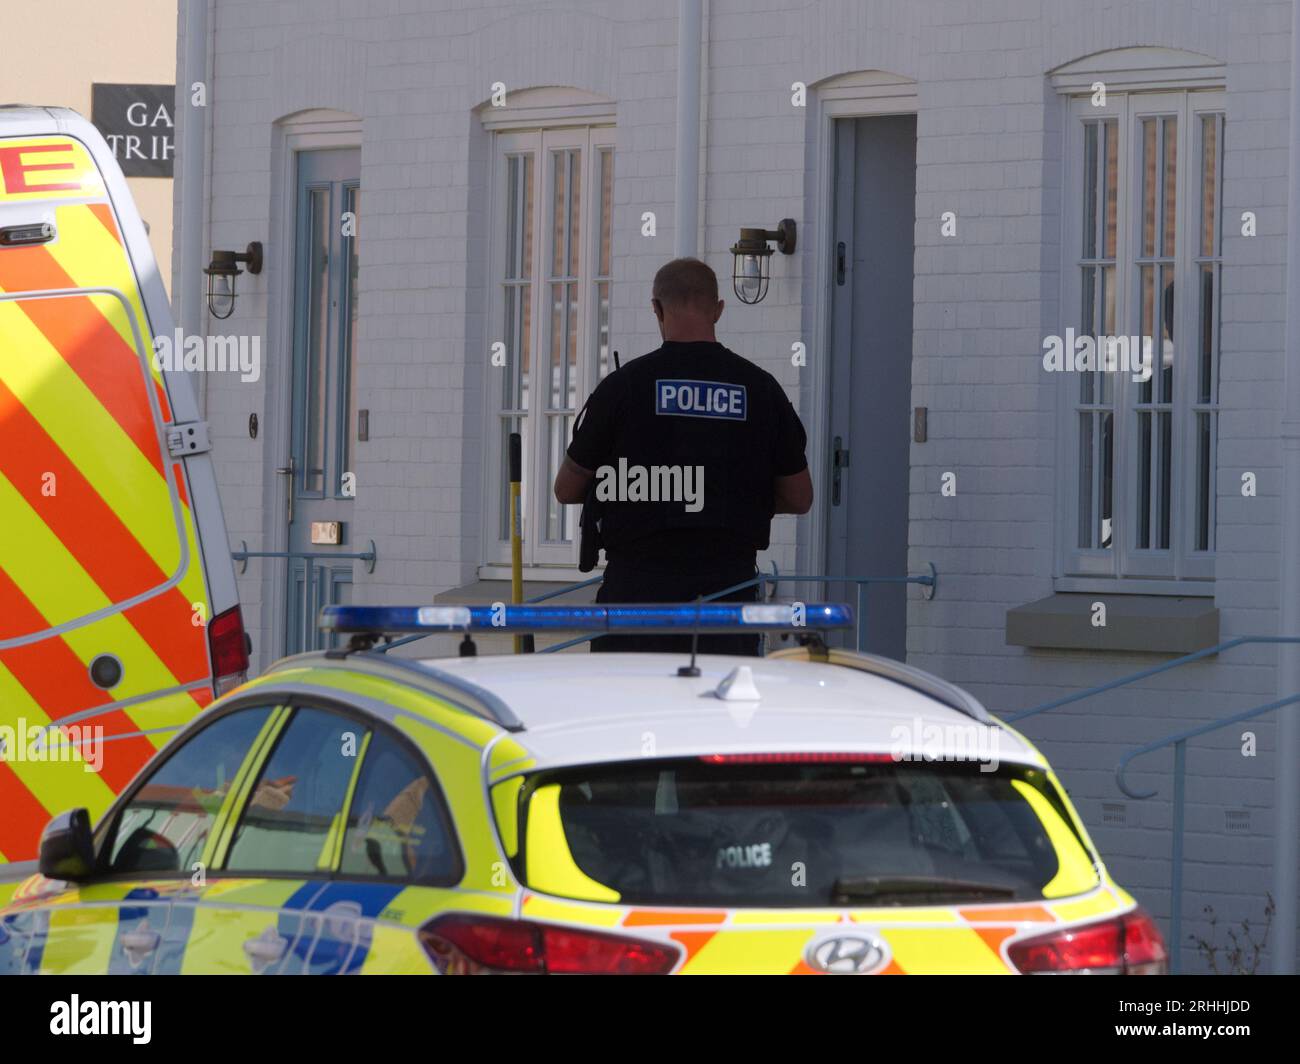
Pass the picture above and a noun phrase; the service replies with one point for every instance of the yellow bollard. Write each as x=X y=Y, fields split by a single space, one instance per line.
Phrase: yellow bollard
x=523 y=643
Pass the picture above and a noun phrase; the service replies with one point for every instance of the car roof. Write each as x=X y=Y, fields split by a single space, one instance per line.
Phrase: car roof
x=586 y=708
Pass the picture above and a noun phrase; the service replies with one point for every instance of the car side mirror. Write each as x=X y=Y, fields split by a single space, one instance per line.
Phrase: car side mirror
x=67 y=847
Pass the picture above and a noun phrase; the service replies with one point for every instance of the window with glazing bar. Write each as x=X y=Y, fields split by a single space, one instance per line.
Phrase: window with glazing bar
x=1144 y=177
x=551 y=311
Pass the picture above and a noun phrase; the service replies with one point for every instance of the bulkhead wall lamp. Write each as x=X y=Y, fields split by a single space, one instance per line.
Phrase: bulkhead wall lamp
x=751 y=255
x=222 y=272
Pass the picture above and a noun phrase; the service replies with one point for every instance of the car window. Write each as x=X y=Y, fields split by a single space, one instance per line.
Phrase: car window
x=164 y=827
x=397 y=826
x=292 y=810
x=790 y=833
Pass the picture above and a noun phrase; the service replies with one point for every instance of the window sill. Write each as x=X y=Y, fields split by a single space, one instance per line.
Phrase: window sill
x=1098 y=586
x=1151 y=624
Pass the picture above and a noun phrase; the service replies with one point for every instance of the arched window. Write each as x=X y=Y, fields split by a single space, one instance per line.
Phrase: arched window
x=1142 y=201
x=550 y=255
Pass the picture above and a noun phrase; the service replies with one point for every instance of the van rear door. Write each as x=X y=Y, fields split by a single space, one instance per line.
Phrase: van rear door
x=108 y=598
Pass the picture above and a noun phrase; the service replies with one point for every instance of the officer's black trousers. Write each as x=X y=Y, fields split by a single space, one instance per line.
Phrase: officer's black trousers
x=628 y=582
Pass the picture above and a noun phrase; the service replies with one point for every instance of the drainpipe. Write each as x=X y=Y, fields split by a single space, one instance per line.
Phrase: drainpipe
x=690 y=24
x=1286 y=771
x=188 y=293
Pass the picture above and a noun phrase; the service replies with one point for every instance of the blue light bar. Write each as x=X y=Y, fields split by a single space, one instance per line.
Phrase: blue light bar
x=711 y=617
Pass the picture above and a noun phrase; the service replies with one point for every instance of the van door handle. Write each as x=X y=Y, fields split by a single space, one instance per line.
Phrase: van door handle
x=840 y=250
x=839 y=460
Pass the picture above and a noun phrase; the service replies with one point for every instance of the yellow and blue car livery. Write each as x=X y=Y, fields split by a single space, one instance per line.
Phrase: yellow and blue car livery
x=571 y=813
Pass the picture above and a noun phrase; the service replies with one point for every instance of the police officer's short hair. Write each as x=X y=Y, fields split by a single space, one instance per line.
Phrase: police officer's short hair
x=686 y=283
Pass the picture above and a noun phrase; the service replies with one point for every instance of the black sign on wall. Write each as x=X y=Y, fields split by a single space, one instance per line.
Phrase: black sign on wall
x=138 y=123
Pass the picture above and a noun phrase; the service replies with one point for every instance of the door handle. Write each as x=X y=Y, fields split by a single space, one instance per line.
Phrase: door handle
x=137 y=945
x=839 y=461
x=840 y=250
x=289 y=471
x=141 y=941
x=266 y=949
x=261 y=950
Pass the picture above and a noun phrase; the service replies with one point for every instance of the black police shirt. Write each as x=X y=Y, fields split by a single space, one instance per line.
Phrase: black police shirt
x=685 y=443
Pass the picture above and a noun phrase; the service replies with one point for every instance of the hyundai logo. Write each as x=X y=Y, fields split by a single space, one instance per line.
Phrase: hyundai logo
x=847 y=954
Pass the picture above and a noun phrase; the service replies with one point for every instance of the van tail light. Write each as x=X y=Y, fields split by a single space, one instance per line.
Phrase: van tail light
x=229 y=649
x=463 y=944
x=1127 y=945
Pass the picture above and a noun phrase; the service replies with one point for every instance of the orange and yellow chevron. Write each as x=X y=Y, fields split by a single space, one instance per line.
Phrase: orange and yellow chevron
x=98 y=550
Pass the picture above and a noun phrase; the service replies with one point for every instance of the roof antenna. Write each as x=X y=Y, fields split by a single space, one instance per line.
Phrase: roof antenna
x=467 y=648
x=691 y=669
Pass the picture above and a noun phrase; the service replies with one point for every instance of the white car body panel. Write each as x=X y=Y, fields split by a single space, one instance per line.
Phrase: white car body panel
x=586 y=709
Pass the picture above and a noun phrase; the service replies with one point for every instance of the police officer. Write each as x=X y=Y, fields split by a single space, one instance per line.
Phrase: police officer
x=693 y=449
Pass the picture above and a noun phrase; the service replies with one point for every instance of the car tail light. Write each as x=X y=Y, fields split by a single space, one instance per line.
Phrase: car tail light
x=800 y=757
x=229 y=649
x=1127 y=945
x=482 y=945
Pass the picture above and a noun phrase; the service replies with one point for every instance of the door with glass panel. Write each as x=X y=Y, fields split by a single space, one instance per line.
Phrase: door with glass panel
x=323 y=420
x=553 y=210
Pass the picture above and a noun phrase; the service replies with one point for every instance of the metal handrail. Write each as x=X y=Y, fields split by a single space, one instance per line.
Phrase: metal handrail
x=367 y=556
x=579 y=640
x=1079 y=696
x=928 y=580
x=308 y=626
x=1179 y=742
x=564 y=590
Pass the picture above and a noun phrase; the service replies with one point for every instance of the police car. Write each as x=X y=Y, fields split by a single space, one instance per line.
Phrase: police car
x=813 y=811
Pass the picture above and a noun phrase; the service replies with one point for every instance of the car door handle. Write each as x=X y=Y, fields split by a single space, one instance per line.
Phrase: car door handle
x=141 y=941
x=267 y=948
x=139 y=944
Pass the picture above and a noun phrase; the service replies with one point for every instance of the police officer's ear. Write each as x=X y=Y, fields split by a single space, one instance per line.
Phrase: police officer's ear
x=717 y=311
x=658 y=308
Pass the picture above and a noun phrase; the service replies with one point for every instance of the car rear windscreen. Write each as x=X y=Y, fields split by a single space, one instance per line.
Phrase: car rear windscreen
x=752 y=832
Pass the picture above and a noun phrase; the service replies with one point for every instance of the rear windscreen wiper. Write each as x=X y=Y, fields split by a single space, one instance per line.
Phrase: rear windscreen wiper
x=864 y=888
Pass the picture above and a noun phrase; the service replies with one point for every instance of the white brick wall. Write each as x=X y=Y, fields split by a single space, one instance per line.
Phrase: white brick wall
x=989 y=131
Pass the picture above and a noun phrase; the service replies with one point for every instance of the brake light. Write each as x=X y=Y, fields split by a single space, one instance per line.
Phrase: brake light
x=229 y=650
x=1128 y=945
x=800 y=758
x=482 y=945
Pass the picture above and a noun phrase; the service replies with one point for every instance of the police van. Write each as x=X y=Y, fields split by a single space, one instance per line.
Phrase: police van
x=119 y=619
